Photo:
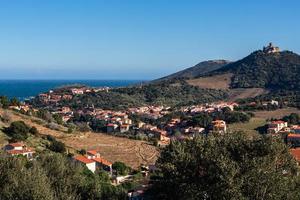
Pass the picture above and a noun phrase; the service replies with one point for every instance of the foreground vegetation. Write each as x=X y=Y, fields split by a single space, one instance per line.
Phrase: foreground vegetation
x=53 y=176
x=232 y=166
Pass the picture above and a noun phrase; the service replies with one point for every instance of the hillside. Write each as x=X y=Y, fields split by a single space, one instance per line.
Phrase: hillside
x=132 y=152
x=265 y=70
x=196 y=71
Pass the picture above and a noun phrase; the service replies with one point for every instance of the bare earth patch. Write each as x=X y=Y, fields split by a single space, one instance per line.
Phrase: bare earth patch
x=212 y=82
x=241 y=93
x=276 y=113
x=132 y=152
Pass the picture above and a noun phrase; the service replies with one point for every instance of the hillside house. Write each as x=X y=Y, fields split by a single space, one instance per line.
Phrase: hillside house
x=93 y=161
x=110 y=128
x=19 y=148
x=77 y=91
x=89 y=163
x=193 y=130
x=219 y=126
x=276 y=126
x=124 y=128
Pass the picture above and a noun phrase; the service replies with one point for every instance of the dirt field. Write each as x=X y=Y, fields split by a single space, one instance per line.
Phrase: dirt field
x=276 y=113
x=242 y=93
x=213 y=82
x=132 y=152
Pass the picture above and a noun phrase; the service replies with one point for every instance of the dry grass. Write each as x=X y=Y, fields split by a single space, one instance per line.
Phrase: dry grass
x=132 y=152
x=212 y=82
x=242 y=93
x=248 y=127
x=276 y=113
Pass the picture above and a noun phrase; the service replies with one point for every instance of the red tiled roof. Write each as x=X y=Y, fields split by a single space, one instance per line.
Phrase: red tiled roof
x=17 y=152
x=102 y=161
x=93 y=152
x=83 y=159
x=296 y=154
x=17 y=144
x=293 y=135
x=278 y=122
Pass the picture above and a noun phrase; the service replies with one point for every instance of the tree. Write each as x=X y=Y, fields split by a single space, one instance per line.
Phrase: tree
x=293 y=118
x=227 y=167
x=55 y=145
x=120 y=168
x=4 y=101
x=53 y=176
x=58 y=118
x=15 y=102
x=33 y=130
x=18 y=130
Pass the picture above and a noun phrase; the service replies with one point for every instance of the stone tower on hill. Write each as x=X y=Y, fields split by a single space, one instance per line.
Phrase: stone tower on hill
x=271 y=49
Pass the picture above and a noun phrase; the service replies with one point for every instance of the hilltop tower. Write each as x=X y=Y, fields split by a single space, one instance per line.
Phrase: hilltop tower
x=271 y=49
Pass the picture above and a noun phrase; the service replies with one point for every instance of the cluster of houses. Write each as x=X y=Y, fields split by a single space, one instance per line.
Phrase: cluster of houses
x=151 y=112
x=209 y=108
x=53 y=97
x=291 y=135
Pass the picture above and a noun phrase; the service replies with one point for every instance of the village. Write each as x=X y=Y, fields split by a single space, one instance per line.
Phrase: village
x=138 y=121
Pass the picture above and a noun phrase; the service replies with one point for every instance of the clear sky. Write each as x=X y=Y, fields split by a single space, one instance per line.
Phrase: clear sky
x=136 y=39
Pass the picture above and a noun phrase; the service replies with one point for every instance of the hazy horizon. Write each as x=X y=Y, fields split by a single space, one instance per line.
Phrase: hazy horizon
x=135 y=40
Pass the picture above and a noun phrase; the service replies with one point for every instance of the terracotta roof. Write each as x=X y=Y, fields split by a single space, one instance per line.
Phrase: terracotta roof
x=102 y=161
x=17 y=152
x=278 y=122
x=93 y=152
x=293 y=135
x=83 y=159
x=17 y=144
x=296 y=154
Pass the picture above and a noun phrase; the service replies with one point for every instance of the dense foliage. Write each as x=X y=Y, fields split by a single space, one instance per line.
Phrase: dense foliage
x=51 y=177
x=263 y=70
x=164 y=93
x=18 y=130
x=226 y=167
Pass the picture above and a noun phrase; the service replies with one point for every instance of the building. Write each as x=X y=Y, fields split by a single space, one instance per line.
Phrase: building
x=296 y=154
x=276 y=126
x=19 y=148
x=110 y=128
x=219 y=126
x=124 y=128
x=89 y=163
x=93 y=160
x=271 y=49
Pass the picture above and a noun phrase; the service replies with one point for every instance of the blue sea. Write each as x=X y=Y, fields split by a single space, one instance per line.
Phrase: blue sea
x=23 y=89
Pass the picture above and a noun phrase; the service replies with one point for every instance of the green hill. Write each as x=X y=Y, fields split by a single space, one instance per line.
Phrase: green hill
x=265 y=70
x=195 y=71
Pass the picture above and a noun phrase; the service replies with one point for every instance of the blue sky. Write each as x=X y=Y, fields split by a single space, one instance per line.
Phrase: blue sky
x=136 y=39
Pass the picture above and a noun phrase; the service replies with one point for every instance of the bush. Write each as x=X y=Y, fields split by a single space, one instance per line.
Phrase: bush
x=120 y=168
x=57 y=146
x=18 y=130
x=33 y=130
x=53 y=126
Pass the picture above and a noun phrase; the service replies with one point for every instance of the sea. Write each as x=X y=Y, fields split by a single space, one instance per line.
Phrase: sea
x=26 y=89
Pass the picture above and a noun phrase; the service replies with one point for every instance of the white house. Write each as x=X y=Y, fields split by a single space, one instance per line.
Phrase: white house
x=19 y=148
x=90 y=164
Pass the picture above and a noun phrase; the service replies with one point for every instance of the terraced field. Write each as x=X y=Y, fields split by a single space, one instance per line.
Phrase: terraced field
x=132 y=152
